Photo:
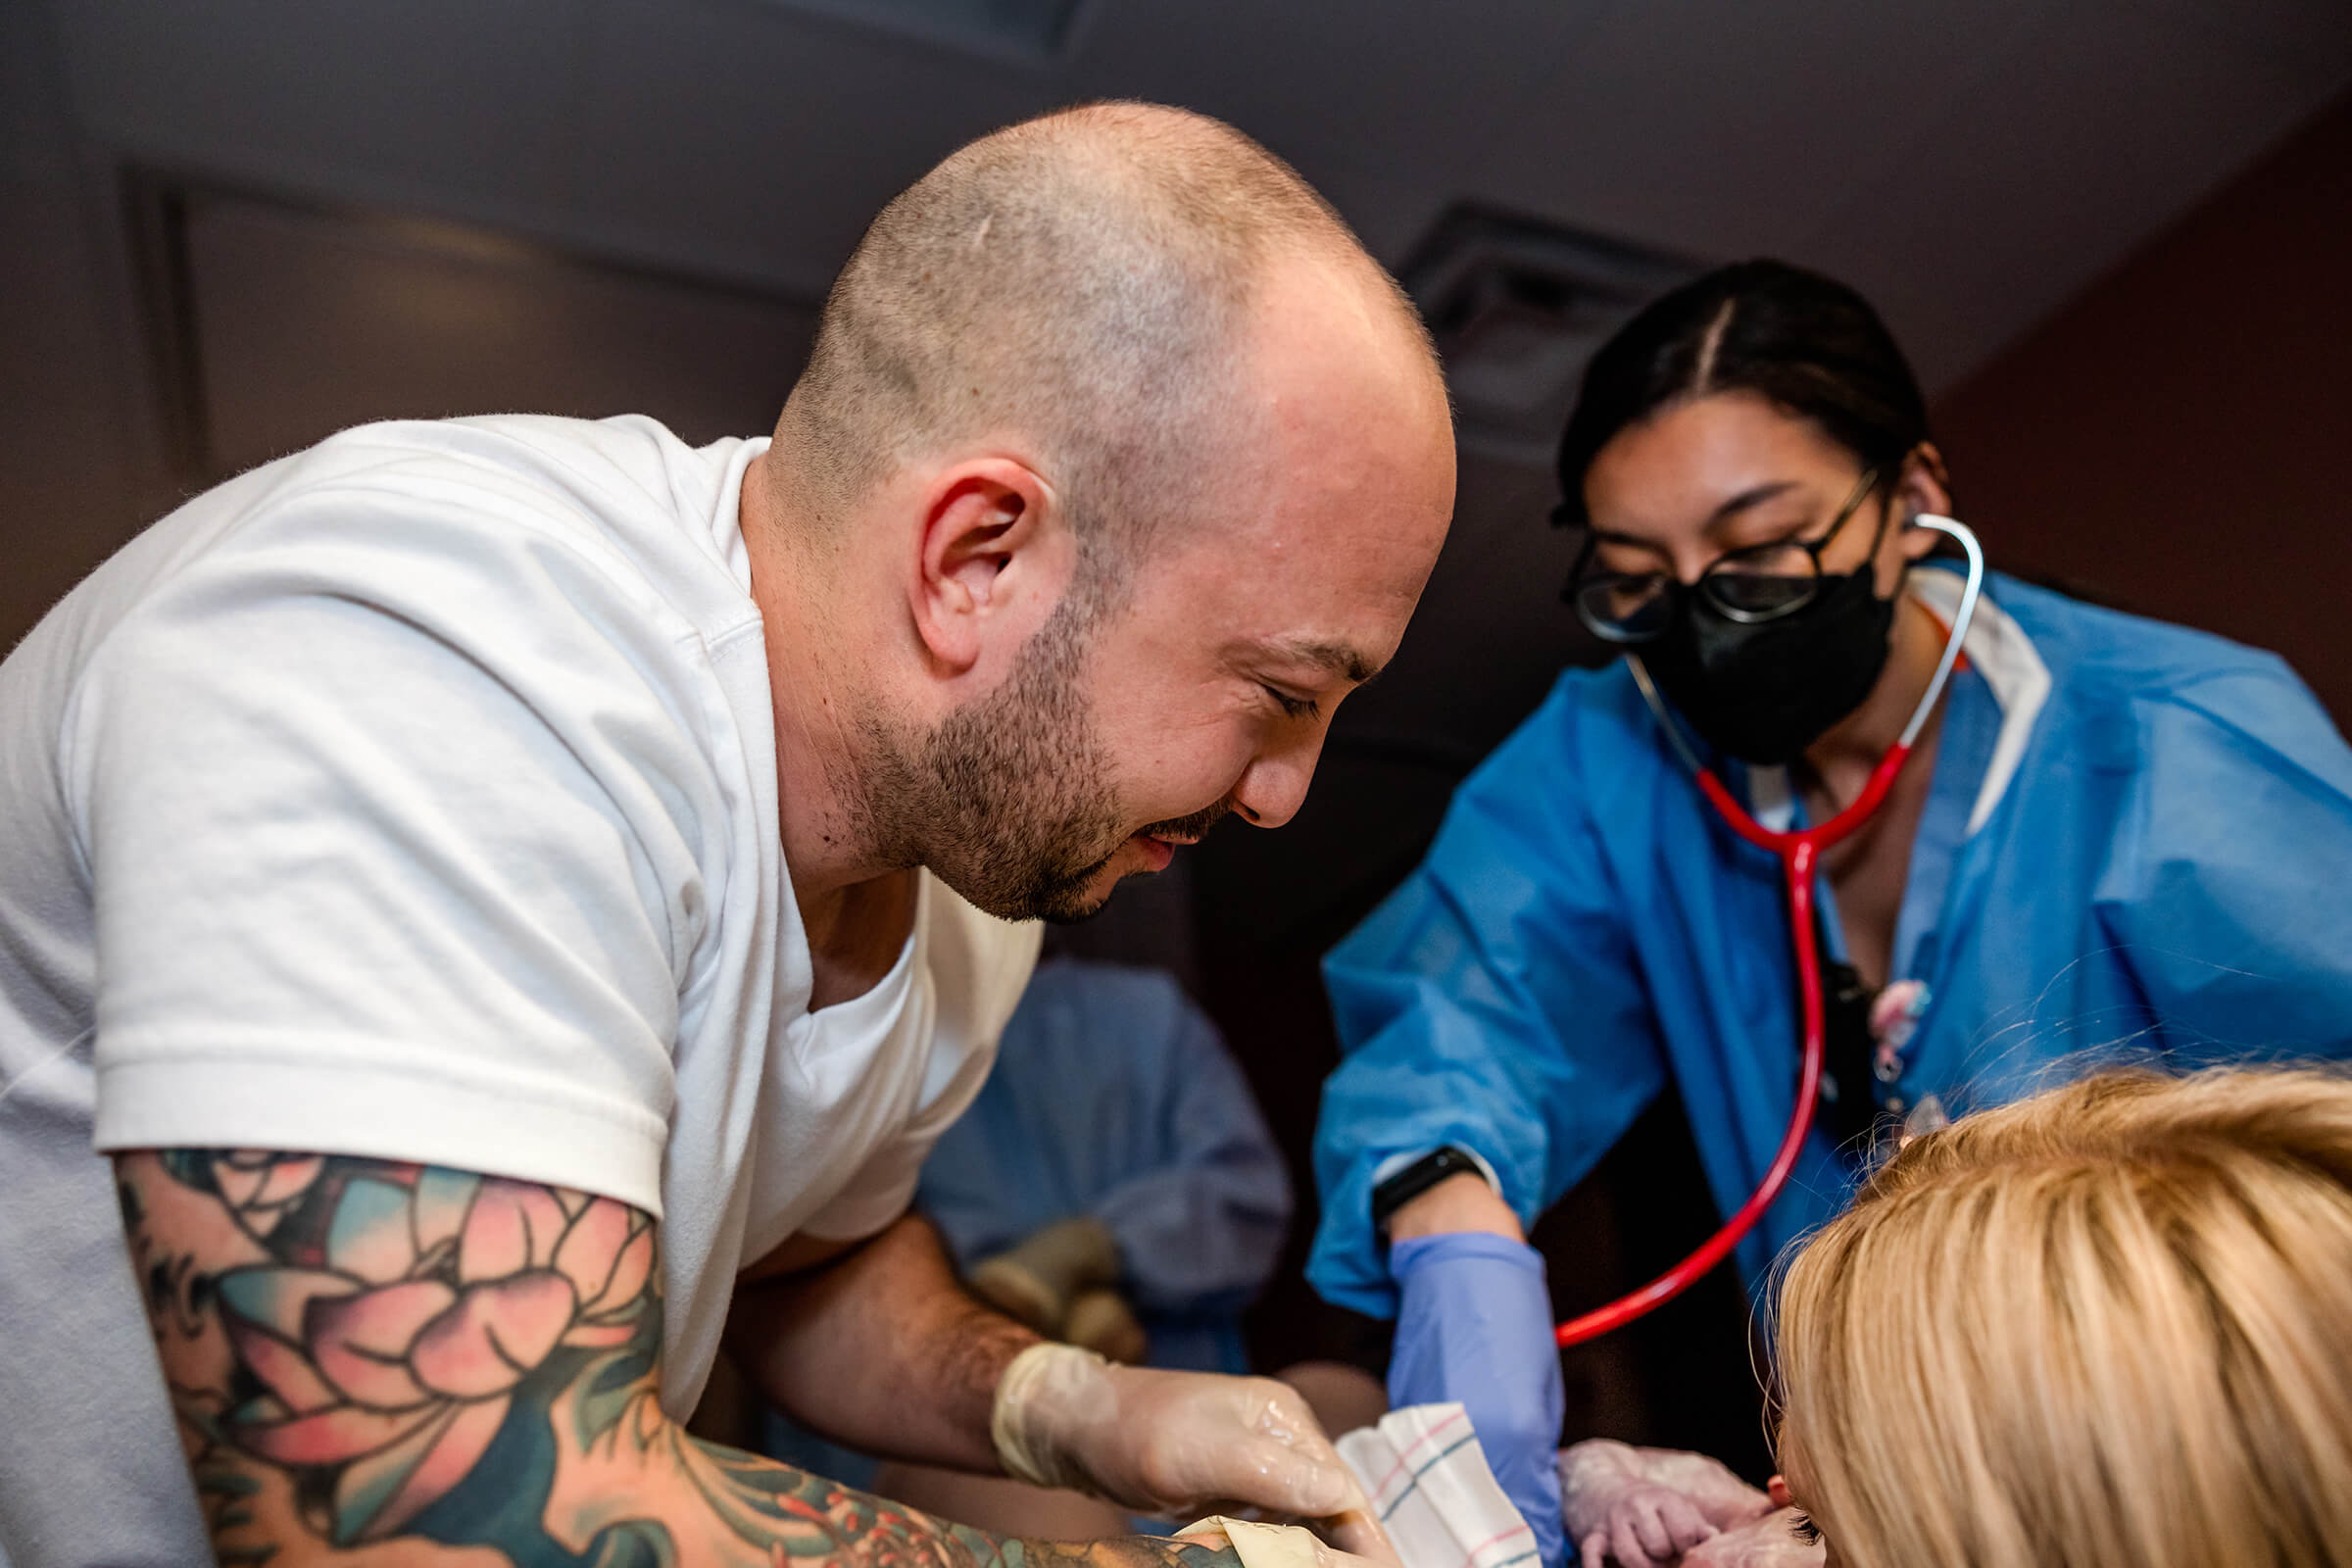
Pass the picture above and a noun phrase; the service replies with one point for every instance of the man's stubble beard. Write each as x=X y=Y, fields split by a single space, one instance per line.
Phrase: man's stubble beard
x=1008 y=800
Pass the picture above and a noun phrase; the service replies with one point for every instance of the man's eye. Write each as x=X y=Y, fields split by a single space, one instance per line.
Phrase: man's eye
x=1291 y=706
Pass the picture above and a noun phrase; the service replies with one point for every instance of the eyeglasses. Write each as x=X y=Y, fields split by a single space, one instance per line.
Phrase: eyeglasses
x=1760 y=583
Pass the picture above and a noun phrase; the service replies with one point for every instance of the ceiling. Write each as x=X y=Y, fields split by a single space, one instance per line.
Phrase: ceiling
x=1968 y=162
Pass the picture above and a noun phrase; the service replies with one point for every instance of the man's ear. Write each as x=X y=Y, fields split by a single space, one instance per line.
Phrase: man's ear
x=995 y=557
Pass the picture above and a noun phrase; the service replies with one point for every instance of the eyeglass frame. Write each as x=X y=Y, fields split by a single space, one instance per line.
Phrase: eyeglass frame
x=1581 y=571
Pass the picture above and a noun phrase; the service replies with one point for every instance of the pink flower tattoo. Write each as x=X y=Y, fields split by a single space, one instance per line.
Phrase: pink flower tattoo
x=261 y=1187
x=393 y=1365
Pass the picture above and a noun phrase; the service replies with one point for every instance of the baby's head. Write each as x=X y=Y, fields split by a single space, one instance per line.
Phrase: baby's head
x=2111 y=1324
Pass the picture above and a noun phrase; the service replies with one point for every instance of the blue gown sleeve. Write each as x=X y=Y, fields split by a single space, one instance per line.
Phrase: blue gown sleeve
x=1200 y=1231
x=1492 y=1002
x=2230 y=887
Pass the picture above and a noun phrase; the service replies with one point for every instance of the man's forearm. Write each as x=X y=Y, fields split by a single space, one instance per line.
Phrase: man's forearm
x=882 y=1350
x=648 y=1493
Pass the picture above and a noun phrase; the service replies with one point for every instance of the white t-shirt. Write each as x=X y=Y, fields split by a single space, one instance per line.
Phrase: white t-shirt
x=416 y=796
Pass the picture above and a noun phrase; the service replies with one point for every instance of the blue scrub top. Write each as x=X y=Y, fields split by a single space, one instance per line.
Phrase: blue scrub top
x=1113 y=1094
x=2161 y=865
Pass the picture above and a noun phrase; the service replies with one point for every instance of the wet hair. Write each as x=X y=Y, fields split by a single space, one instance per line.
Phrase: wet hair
x=2108 y=1325
x=1806 y=343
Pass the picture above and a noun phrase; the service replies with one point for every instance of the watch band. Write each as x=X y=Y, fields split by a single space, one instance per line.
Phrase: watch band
x=1418 y=1178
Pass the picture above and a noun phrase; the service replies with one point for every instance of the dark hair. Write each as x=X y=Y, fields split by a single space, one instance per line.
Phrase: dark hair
x=1807 y=343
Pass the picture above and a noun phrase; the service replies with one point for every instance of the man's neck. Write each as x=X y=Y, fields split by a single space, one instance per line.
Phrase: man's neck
x=828 y=833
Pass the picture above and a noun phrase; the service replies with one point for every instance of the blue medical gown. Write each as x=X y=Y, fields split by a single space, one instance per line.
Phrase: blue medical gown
x=1113 y=1096
x=2168 y=872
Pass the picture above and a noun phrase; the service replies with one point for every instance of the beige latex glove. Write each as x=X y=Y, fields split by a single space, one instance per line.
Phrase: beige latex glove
x=1646 y=1507
x=1036 y=1281
x=1100 y=1320
x=1173 y=1443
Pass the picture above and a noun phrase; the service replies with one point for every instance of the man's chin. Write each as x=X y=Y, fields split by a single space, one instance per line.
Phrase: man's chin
x=1076 y=904
x=1081 y=896
x=1062 y=899
x=1069 y=897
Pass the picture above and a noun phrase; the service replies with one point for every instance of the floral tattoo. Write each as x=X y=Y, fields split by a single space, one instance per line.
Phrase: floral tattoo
x=369 y=1356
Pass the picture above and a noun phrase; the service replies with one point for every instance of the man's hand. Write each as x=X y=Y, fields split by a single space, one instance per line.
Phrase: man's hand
x=1175 y=1444
x=1649 y=1507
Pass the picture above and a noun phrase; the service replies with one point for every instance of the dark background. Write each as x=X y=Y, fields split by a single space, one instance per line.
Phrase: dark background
x=2115 y=238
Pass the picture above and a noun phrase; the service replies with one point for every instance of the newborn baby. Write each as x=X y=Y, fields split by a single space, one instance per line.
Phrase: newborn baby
x=1660 y=1509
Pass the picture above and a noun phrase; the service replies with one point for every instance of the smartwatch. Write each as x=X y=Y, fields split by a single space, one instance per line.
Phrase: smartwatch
x=1418 y=1178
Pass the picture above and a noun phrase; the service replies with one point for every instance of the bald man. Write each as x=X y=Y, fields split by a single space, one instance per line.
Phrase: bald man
x=512 y=900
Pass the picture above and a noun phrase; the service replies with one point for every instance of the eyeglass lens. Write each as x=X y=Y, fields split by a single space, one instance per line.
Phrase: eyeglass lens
x=1761 y=583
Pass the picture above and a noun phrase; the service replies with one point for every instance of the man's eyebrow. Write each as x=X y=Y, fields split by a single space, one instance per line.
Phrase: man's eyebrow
x=1337 y=657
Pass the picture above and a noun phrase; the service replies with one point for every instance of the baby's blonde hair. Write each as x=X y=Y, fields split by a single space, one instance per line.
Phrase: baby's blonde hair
x=2108 y=1325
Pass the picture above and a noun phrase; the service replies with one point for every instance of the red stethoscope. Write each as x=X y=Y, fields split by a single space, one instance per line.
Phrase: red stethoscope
x=1798 y=853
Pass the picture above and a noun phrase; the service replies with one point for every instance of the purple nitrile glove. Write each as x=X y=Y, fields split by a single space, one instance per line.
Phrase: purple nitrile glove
x=1474 y=1325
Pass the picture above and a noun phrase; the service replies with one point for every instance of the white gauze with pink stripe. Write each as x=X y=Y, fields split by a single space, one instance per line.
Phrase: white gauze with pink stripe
x=1429 y=1483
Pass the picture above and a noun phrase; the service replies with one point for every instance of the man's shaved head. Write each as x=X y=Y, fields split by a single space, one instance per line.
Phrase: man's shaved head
x=1083 y=282
x=1117 y=465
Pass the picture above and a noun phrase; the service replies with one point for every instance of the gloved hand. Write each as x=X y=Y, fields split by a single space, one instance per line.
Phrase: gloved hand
x=1173 y=1444
x=1036 y=1281
x=1100 y=1320
x=1644 y=1508
x=1767 y=1542
x=1475 y=1325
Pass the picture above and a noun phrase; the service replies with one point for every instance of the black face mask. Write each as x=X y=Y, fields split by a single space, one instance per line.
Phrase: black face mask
x=1763 y=693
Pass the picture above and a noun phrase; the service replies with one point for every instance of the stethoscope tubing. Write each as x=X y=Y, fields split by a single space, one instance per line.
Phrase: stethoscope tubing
x=1799 y=852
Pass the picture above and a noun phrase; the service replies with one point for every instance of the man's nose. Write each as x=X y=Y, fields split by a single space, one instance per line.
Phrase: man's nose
x=1274 y=786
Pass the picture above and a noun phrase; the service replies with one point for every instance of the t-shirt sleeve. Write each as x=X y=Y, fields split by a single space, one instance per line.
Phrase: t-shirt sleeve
x=977 y=967
x=392 y=854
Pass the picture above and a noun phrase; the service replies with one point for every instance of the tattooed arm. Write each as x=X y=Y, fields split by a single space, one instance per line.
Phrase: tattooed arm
x=387 y=1365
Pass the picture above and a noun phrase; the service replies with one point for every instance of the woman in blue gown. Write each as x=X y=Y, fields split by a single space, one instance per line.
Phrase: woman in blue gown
x=2116 y=836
